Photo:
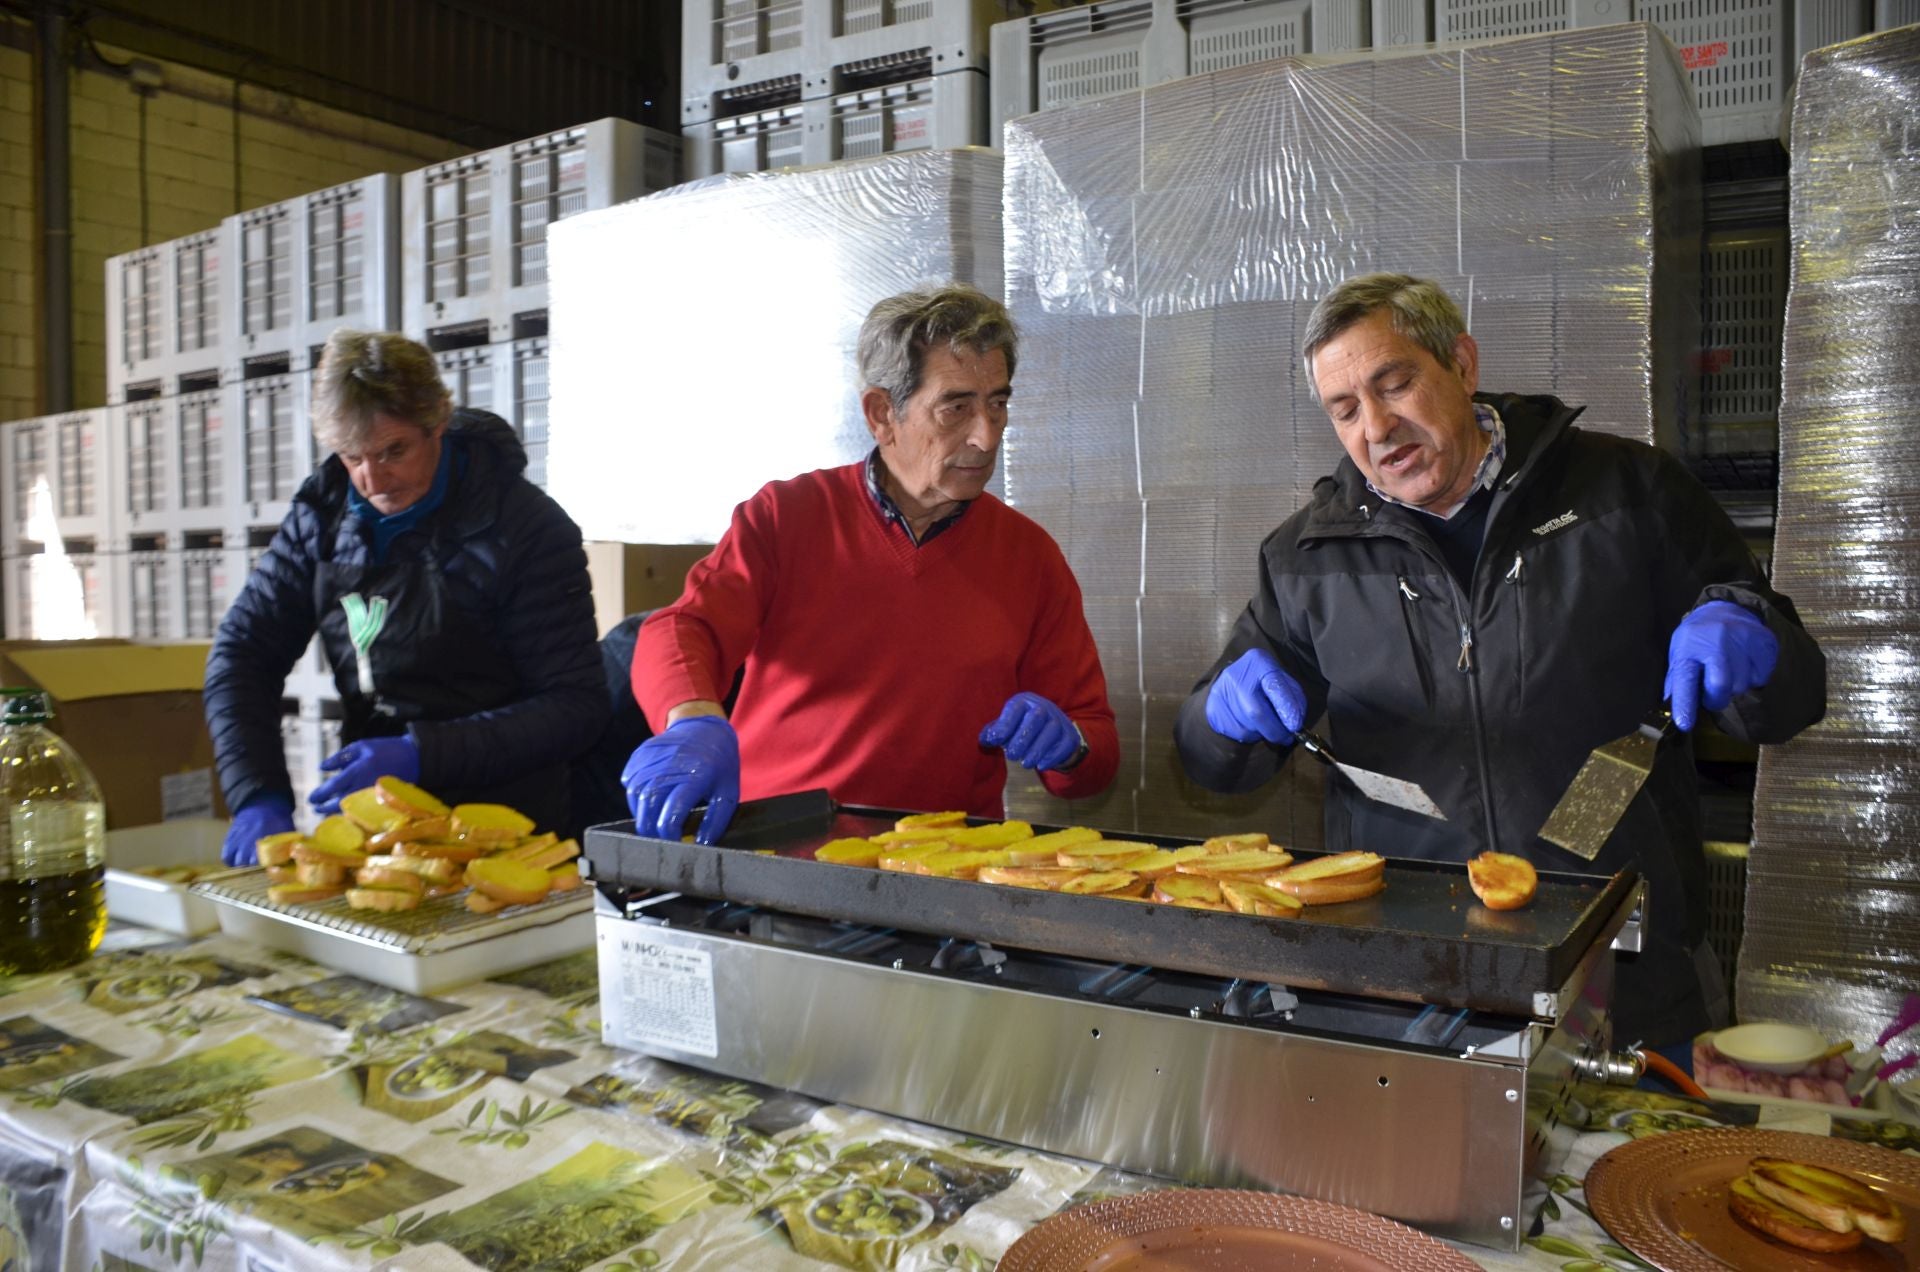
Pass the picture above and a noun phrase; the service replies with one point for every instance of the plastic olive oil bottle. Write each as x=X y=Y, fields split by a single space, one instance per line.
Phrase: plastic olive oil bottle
x=53 y=892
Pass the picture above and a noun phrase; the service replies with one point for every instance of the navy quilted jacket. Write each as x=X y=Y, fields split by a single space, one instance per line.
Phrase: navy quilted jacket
x=487 y=658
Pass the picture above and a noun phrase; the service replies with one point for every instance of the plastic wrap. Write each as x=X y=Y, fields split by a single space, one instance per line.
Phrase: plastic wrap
x=703 y=338
x=1833 y=884
x=1165 y=246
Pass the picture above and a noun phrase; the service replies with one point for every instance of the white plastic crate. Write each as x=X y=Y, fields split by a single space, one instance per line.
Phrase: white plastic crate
x=941 y=112
x=1463 y=21
x=473 y=249
x=1741 y=54
x=167 y=473
x=167 y=329
x=1745 y=300
x=470 y=377
x=529 y=397
x=260 y=287
x=1113 y=46
x=268 y=447
x=139 y=334
x=1399 y=23
x=199 y=443
x=207 y=584
x=146 y=588
x=733 y=50
x=758 y=142
x=57 y=479
x=26 y=467
x=59 y=595
x=853 y=44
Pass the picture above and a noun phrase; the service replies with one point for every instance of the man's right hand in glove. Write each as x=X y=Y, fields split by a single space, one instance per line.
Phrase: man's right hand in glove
x=262 y=815
x=696 y=761
x=1254 y=700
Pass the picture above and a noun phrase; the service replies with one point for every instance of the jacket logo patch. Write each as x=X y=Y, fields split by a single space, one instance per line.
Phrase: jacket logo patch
x=365 y=618
x=1566 y=518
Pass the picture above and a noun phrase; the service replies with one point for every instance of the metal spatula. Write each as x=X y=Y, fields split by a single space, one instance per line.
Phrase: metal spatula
x=1396 y=791
x=1598 y=796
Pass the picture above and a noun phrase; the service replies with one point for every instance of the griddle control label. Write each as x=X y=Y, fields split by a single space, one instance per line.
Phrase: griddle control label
x=666 y=997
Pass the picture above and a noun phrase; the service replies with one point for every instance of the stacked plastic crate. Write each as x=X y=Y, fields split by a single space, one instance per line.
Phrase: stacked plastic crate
x=474 y=253
x=1114 y=45
x=1740 y=54
x=779 y=83
x=57 y=524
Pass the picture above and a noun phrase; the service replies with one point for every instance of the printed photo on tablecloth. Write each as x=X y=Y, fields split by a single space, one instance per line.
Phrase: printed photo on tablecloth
x=1109 y=1183
x=734 y=1115
x=309 y=1182
x=876 y=1201
x=189 y=1082
x=347 y=1002
x=575 y=977
x=1639 y=1114
x=32 y=1214
x=1889 y=1132
x=428 y=1084
x=139 y=979
x=33 y=1052
x=600 y=1202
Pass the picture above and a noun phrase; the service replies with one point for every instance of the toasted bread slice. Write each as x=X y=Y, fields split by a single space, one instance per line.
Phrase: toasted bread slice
x=301 y=894
x=1332 y=889
x=1102 y=882
x=311 y=854
x=277 y=850
x=959 y=865
x=1045 y=878
x=340 y=836
x=393 y=880
x=900 y=838
x=995 y=835
x=508 y=881
x=490 y=823
x=1196 y=903
x=1839 y=1202
x=1100 y=854
x=430 y=869
x=1502 y=881
x=441 y=848
x=904 y=856
x=1256 y=861
x=1179 y=887
x=565 y=878
x=930 y=821
x=389 y=899
x=849 y=852
x=1747 y=1204
x=1056 y=840
x=530 y=847
x=364 y=809
x=1258 y=898
x=407 y=799
x=1152 y=864
x=283 y=874
x=320 y=874
x=1339 y=863
x=1237 y=843
x=408 y=832
x=547 y=856
x=481 y=903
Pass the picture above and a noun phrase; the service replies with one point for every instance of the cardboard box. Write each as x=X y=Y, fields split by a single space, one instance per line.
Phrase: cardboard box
x=631 y=577
x=134 y=713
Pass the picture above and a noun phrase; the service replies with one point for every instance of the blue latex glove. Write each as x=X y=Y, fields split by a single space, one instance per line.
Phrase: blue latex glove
x=1721 y=648
x=696 y=761
x=358 y=765
x=1034 y=733
x=264 y=814
x=1254 y=700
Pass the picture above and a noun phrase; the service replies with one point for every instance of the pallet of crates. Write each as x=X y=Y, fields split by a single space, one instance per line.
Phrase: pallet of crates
x=474 y=239
x=1113 y=46
x=732 y=51
x=169 y=340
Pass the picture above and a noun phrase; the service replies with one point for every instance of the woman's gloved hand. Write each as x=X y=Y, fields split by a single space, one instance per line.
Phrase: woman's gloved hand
x=696 y=761
x=360 y=764
x=1255 y=700
x=1034 y=733
x=262 y=815
x=1719 y=651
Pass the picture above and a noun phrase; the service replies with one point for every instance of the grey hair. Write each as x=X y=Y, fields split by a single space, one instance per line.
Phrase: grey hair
x=363 y=374
x=1417 y=308
x=895 y=337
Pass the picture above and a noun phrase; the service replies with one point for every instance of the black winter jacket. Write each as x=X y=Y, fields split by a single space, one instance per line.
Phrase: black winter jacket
x=486 y=657
x=1491 y=697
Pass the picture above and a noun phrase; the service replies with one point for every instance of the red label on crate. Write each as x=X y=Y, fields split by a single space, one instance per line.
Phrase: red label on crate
x=1697 y=57
x=1712 y=361
x=573 y=168
x=352 y=220
x=911 y=129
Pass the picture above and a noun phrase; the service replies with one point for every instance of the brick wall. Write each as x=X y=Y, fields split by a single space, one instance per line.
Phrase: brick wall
x=286 y=147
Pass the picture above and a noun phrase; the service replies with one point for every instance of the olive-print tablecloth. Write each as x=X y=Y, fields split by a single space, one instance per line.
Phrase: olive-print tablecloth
x=213 y=1105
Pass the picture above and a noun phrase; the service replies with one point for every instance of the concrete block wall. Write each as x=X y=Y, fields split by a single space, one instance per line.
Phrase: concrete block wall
x=204 y=160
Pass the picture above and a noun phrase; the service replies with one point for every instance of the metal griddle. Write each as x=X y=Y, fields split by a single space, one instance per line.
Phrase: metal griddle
x=1424 y=939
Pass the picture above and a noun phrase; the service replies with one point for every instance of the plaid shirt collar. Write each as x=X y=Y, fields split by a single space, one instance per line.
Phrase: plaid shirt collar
x=1483 y=476
x=890 y=511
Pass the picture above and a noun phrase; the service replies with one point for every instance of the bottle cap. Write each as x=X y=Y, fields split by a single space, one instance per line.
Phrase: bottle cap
x=22 y=705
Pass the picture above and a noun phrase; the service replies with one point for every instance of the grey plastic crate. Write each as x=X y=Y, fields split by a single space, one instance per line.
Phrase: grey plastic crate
x=58 y=595
x=941 y=112
x=1741 y=54
x=866 y=43
x=1399 y=23
x=207 y=587
x=267 y=451
x=529 y=397
x=1743 y=312
x=199 y=445
x=166 y=323
x=758 y=142
x=1895 y=13
x=72 y=457
x=1114 y=46
x=732 y=50
x=144 y=578
x=473 y=246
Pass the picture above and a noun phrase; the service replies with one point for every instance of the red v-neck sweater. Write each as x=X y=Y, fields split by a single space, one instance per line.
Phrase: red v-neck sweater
x=872 y=664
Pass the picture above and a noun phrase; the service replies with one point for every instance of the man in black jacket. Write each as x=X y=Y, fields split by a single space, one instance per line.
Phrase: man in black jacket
x=450 y=594
x=1477 y=597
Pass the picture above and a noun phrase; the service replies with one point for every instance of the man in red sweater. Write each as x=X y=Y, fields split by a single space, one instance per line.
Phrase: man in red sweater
x=901 y=633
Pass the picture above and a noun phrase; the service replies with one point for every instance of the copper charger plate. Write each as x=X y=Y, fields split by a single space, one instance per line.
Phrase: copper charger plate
x=1665 y=1199
x=1214 y=1230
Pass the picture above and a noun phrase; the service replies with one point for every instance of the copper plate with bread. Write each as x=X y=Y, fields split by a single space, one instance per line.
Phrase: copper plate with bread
x=1686 y=1201
x=1225 y=1228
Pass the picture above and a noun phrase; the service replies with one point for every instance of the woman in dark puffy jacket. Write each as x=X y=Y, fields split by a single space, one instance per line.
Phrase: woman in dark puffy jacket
x=451 y=598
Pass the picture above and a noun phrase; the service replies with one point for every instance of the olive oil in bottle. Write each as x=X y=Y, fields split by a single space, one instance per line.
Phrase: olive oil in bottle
x=53 y=901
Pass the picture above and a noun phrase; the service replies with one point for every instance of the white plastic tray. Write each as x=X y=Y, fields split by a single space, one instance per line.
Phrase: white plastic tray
x=438 y=946
x=155 y=903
